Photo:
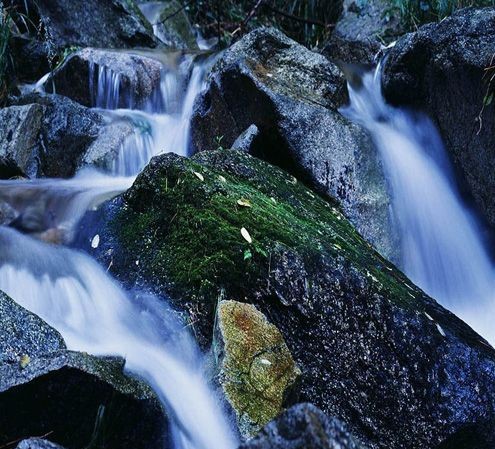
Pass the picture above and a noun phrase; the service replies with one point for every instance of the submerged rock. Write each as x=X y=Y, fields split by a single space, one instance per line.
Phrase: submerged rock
x=444 y=69
x=52 y=136
x=304 y=426
x=121 y=80
x=373 y=349
x=256 y=369
x=292 y=96
x=74 y=397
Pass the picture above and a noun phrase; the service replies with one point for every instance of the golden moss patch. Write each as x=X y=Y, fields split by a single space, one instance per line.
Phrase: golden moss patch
x=256 y=367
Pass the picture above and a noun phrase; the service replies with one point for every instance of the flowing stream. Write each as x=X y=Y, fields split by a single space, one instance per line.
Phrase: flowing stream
x=72 y=293
x=442 y=249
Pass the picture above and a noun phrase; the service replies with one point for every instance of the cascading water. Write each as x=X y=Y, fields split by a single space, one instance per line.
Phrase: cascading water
x=77 y=297
x=442 y=250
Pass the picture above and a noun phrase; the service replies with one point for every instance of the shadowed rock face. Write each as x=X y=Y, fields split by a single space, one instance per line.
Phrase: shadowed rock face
x=256 y=369
x=362 y=30
x=49 y=390
x=442 y=69
x=373 y=349
x=52 y=136
x=137 y=77
x=304 y=426
x=292 y=96
x=89 y=23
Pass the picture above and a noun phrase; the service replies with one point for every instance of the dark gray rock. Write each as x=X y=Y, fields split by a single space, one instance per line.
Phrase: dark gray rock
x=53 y=136
x=304 y=426
x=292 y=95
x=87 y=23
x=170 y=23
x=19 y=139
x=442 y=70
x=131 y=78
x=362 y=30
x=23 y=334
x=37 y=443
x=49 y=390
x=246 y=141
x=374 y=350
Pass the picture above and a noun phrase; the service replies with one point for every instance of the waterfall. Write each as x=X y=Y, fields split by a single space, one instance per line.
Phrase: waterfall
x=72 y=293
x=442 y=249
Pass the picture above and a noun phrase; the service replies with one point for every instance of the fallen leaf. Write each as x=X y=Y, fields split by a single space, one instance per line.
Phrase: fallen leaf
x=222 y=178
x=199 y=176
x=245 y=234
x=244 y=202
x=95 y=242
x=25 y=360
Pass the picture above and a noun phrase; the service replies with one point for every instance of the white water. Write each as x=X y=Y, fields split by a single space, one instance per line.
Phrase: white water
x=77 y=297
x=442 y=250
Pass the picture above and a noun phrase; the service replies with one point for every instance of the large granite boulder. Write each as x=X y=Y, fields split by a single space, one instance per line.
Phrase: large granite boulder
x=86 y=23
x=53 y=136
x=373 y=349
x=75 y=398
x=107 y=79
x=446 y=70
x=363 y=29
x=292 y=96
x=304 y=426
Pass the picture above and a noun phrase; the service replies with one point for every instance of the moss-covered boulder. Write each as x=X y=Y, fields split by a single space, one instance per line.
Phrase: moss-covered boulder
x=74 y=398
x=293 y=96
x=256 y=369
x=373 y=349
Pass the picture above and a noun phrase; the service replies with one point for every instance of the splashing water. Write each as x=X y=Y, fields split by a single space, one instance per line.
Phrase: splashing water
x=72 y=293
x=441 y=246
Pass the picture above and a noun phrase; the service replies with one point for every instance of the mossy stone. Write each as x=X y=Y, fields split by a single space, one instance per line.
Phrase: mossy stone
x=257 y=370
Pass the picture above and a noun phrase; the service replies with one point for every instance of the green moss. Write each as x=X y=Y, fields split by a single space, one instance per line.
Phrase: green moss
x=256 y=367
x=188 y=230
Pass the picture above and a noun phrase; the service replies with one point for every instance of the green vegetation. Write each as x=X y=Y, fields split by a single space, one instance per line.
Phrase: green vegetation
x=5 y=58
x=184 y=223
x=418 y=12
x=307 y=21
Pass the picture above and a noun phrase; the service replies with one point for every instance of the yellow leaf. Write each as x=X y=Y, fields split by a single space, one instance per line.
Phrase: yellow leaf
x=245 y=234
x=25 y=359
x=199 y=176
x=243 y=202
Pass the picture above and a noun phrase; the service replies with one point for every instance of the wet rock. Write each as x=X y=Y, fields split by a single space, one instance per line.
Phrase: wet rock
x=246 y=141
x=37 y=443
x=304 y=426
x=87 y=23
x=19 y=139
x=170 y=23
x=256 y=369
x=30 y=59
x=373 y=349
x=49 y=390
x=292 y=96
x=108 y=79
x=442 y=69
x=362 y=30
x=52 y=136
